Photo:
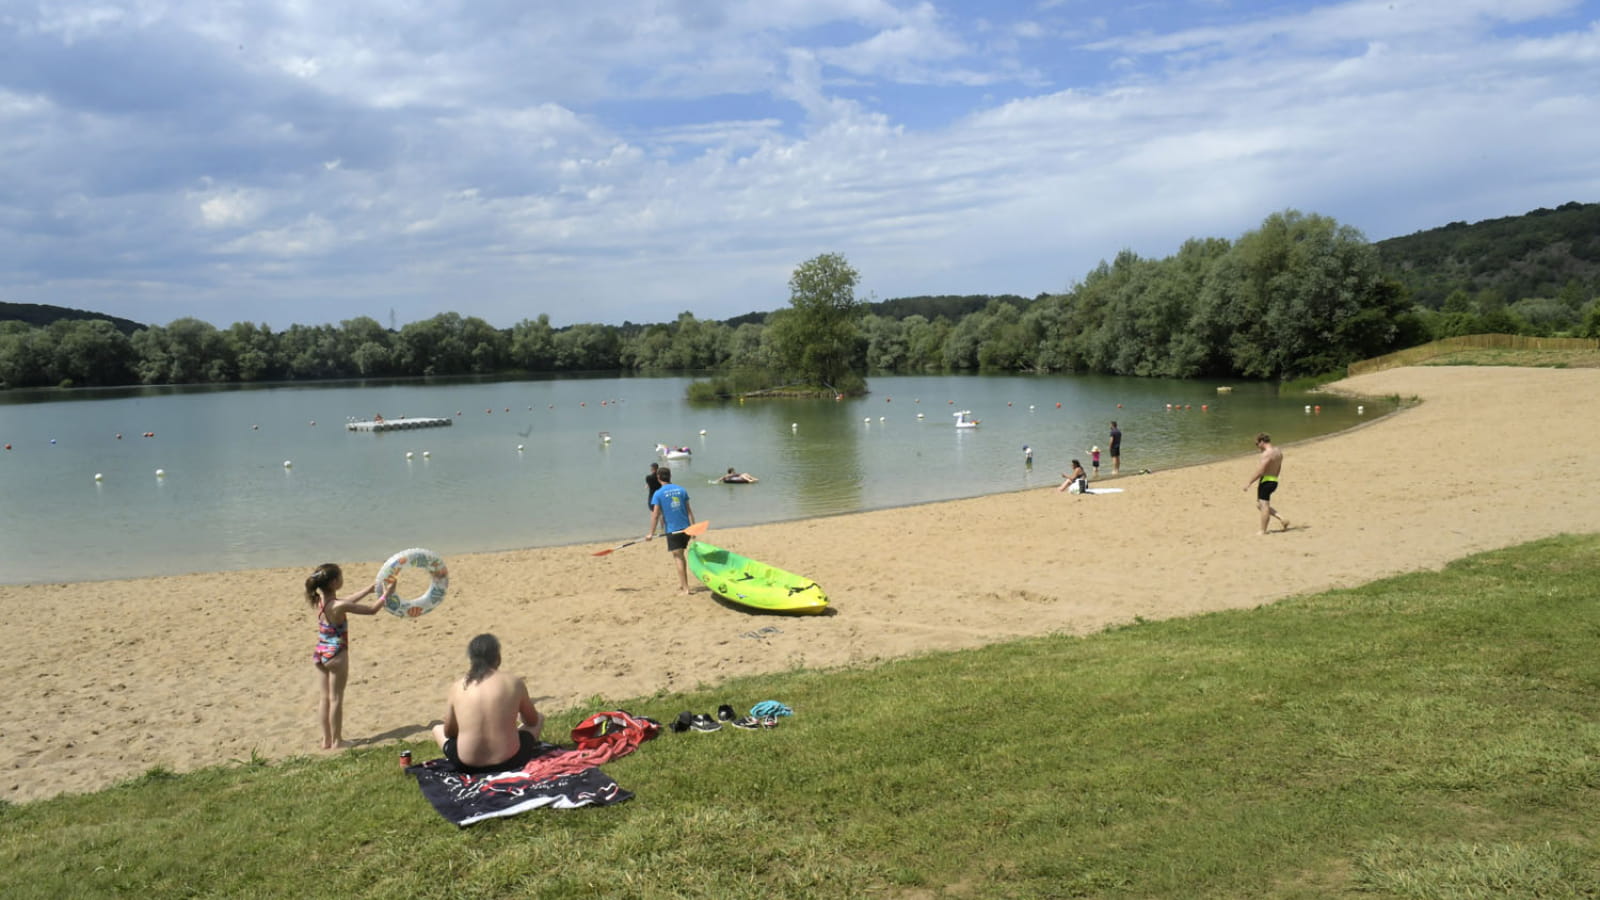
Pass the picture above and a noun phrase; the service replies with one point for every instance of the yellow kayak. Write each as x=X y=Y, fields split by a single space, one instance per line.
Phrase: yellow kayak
x=746 y=582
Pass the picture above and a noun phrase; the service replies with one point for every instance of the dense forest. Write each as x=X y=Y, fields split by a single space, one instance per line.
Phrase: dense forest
x=1300 y=295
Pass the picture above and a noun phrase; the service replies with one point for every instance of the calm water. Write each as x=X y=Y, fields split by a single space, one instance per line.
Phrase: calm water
x=228 y=502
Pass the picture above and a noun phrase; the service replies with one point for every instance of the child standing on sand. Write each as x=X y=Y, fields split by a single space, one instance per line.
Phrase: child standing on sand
x=332 y=653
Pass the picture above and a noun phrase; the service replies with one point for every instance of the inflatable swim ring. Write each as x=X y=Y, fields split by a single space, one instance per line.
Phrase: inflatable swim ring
x=422 y=559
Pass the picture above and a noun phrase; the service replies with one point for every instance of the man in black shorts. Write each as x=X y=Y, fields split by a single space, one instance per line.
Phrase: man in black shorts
x=1116 y=449
x=1268 y=466
x=480 y=731
x=670 y=509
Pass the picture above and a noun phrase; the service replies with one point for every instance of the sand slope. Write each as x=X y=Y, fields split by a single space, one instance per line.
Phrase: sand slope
x=104 y=680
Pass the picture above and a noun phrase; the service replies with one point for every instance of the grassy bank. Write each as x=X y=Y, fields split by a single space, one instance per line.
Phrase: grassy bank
x=1434 y=735
x=1547 y=359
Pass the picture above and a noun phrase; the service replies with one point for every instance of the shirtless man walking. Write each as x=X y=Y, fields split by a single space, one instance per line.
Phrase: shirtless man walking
x=480 y=729
x=1268 y=465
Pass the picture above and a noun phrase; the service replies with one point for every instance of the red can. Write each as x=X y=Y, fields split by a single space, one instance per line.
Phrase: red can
x=405 y=758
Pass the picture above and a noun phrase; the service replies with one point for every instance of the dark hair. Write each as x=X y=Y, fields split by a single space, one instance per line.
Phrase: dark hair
x=1076 y=464
x=483 y=652
x=1263 y=438
x=665 y=474
x=1113 y=423
x=655 y=466
x=320 y=578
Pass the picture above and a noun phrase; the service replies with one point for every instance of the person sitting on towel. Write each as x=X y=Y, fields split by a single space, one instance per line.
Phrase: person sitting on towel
x=480 y=731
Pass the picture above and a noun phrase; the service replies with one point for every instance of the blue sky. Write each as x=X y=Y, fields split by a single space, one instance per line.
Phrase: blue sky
x=279 y=162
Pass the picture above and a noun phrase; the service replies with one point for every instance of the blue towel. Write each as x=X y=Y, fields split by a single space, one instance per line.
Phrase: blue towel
x=770 y=708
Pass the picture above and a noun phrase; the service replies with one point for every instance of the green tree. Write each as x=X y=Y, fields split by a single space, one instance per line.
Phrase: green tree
x=815 y=340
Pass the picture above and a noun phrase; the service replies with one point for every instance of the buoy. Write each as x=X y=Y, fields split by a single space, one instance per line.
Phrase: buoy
x=585 y=403
x=1030 y=406
x=888 y=399
x=1360 y=410
x=99 y=477
x=313 y=422
x=919 y=415
x=1008 y=402
x=1317 y=408
x=702 y=432
x=793 y=426
x=427 y=453
x=8 y=446
x=119 y=435
x=1058 y=404
x=1308 y=409
x=882 y=418
x=1204 y=408
x=519 y=448
x=52 y=440
x=161 y=473
x=288 y=464
x=458 y=412
x=408 y=454
x=252 y=428
x=508 y=409
x=1119 y=406
x=488 y=412
x=838 y=397
x=868 y=420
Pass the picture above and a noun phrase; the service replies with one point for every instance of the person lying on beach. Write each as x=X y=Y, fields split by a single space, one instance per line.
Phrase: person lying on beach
x=332 y=653
x=1076 y=478
x=480 y=730
x=738 y=477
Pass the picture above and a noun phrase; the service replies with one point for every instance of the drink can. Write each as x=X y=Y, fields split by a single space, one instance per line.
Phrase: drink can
x=405 y=758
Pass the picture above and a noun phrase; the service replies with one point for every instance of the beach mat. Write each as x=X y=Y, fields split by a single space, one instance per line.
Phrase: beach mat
x=556 y=778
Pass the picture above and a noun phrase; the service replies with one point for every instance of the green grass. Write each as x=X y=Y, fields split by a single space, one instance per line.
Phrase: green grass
x=1545 y=359
x=1431 y=736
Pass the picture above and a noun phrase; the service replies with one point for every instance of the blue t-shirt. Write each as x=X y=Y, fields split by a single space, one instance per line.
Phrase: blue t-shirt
x=674 y=502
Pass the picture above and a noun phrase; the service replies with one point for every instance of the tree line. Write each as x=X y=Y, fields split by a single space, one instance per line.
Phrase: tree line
x=1300 y=295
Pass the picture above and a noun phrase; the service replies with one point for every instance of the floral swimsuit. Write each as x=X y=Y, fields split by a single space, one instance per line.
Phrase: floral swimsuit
x=331 y=639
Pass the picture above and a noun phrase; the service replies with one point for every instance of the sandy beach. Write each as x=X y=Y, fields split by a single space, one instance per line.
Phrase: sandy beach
x=104 y=680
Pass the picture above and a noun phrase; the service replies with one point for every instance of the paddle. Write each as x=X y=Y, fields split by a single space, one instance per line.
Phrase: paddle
x=694 y=530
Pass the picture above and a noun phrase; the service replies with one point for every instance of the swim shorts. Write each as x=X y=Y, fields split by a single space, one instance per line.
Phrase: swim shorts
x=1265 y=488
x=528 y=749
x=677 y=541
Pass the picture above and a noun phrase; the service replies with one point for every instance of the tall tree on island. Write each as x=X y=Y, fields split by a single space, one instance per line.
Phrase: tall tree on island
x=817 y=340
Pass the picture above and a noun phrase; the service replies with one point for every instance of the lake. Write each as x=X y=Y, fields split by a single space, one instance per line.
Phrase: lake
x=227 y=501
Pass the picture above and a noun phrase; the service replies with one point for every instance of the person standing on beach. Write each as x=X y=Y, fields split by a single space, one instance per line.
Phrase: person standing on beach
x=332 y=653
x=669 y=508
x=1116 y=449
x=1268 y=466
x=480 y=731
x=652 y=483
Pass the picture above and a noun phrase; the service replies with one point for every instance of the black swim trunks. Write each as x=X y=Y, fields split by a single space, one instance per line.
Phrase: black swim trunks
x=677 y=541
x=528 y=750
x=1265 y=488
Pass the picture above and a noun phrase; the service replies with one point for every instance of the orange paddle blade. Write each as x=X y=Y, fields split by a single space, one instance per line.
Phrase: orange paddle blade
x=697 y=528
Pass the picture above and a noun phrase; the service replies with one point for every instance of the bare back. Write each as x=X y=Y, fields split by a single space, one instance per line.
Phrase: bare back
x=1271 y=461
x=484 y=718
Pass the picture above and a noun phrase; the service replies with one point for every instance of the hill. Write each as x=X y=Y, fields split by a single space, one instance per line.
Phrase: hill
x=39 y=315
x=1538 y=254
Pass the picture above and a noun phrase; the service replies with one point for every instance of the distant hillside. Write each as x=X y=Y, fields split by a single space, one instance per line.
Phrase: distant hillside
x=1533 y=255
x=40 y=315
x=950 y=306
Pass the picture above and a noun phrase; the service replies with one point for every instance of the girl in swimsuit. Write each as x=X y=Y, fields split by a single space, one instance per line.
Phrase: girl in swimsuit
x=332 y=653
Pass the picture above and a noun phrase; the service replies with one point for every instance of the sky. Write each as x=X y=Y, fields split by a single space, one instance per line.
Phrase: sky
x=291 y=161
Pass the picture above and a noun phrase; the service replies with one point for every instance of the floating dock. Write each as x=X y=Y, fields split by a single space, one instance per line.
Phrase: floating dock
x=395 y=424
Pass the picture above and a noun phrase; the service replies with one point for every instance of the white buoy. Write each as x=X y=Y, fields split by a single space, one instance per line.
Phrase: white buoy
x=919 y=415
x=702 y=432
x=288 y=464
x=1308 y=409
x=882 y=419
x=794 y=426
x=519 y=448
x=1361 y=410
x=409 y=454
x=161 y=473
x=99 y=477
x=427 y=453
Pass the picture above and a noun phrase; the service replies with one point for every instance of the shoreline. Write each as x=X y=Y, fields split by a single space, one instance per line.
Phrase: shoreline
x=110 y=678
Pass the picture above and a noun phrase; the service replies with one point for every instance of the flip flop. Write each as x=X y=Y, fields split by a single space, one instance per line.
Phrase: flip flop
x=703 y=722
x=726 y=713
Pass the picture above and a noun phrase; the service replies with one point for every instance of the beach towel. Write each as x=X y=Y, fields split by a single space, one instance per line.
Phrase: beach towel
x=556 y=778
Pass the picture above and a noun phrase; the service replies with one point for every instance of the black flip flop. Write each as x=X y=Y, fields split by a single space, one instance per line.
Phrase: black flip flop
x=726 y=713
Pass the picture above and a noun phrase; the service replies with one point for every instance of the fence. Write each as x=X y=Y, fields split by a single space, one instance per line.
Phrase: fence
x=1413 y=355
